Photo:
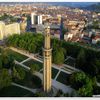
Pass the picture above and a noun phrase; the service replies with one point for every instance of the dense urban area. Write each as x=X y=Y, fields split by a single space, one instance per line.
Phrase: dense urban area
x=75 y=43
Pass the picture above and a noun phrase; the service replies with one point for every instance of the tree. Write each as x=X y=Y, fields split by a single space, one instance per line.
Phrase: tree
x=18 y=73
x=0 y=62
x=58 y=56
x=34 y=68
x=77 y=80
x=81 y=59
x=40 y=94
x=97 y=64
x=82 y=83
x=5 y=78
x=87 y=89
x=94 y=69
x=32 y=48
x=6 y=60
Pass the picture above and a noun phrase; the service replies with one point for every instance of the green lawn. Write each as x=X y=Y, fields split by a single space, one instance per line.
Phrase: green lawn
x=13 y=91
x=63 y=78
x=54 y=72
x=70 y=62
x=16 y=56
x=32 y=62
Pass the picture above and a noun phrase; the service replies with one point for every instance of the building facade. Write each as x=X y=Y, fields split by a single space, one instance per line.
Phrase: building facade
x=9 y=29
x=36 y=19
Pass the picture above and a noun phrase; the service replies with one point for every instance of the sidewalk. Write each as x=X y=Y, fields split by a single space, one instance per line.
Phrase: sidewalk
x=29 y=89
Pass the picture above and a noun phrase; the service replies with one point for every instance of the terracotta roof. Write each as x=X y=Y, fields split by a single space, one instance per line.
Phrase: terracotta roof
x=97 y=37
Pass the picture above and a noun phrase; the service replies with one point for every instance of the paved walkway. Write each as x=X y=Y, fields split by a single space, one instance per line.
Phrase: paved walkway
x=24 y=87
x=98 y=84
x=25 y=60
x=71 y=68
x=26 y=53
x=16 y=62
x=56 y=84
x=57 y=75
x=67 y=58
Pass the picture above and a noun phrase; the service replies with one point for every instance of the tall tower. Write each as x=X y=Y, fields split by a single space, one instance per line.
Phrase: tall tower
x=47 y=62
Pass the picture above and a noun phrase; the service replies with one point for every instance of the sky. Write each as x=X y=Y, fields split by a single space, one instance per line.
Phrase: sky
x=49 y=0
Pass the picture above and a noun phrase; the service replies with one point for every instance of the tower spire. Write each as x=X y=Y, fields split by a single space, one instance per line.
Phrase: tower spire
x=47 y=61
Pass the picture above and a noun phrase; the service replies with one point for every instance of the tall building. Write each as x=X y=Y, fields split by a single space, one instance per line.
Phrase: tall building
x=2 y=30
x=23 y=24
x=36 y=19
x=61 y=28
x=47 y=62
x=8 y=29
x=40 y=19
x=61 y=25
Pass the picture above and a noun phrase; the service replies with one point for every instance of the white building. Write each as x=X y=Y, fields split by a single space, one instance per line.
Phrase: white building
x=96 y=39
x=68 y=36
x=36 y=19
x=9 y=29
x=40 y=19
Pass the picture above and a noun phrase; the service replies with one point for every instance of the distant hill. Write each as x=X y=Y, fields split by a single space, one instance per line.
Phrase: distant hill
x=72 y=4
x=93 y=7
x=69 y=4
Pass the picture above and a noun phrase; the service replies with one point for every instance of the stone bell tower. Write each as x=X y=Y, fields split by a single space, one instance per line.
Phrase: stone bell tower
x=47 y=80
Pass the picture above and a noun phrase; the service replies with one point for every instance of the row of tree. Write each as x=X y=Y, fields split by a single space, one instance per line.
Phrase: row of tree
x=34 y=43
x=8 y=18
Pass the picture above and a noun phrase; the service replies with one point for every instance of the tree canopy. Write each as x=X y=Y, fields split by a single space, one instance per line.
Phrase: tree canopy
x=82 y=83
x=5 y=78
x=18 y=73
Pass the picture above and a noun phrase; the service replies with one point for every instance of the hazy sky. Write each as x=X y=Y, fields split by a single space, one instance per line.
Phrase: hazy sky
x=49 y=0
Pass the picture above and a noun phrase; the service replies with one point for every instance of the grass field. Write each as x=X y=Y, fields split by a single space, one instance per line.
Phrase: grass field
x=32 y=63
x=16 y=56
x=13 y=91
x=54 y=72
x=63 y=78
x=70 y=62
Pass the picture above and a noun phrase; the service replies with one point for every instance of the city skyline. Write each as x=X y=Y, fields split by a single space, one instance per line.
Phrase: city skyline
x=49 y=49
